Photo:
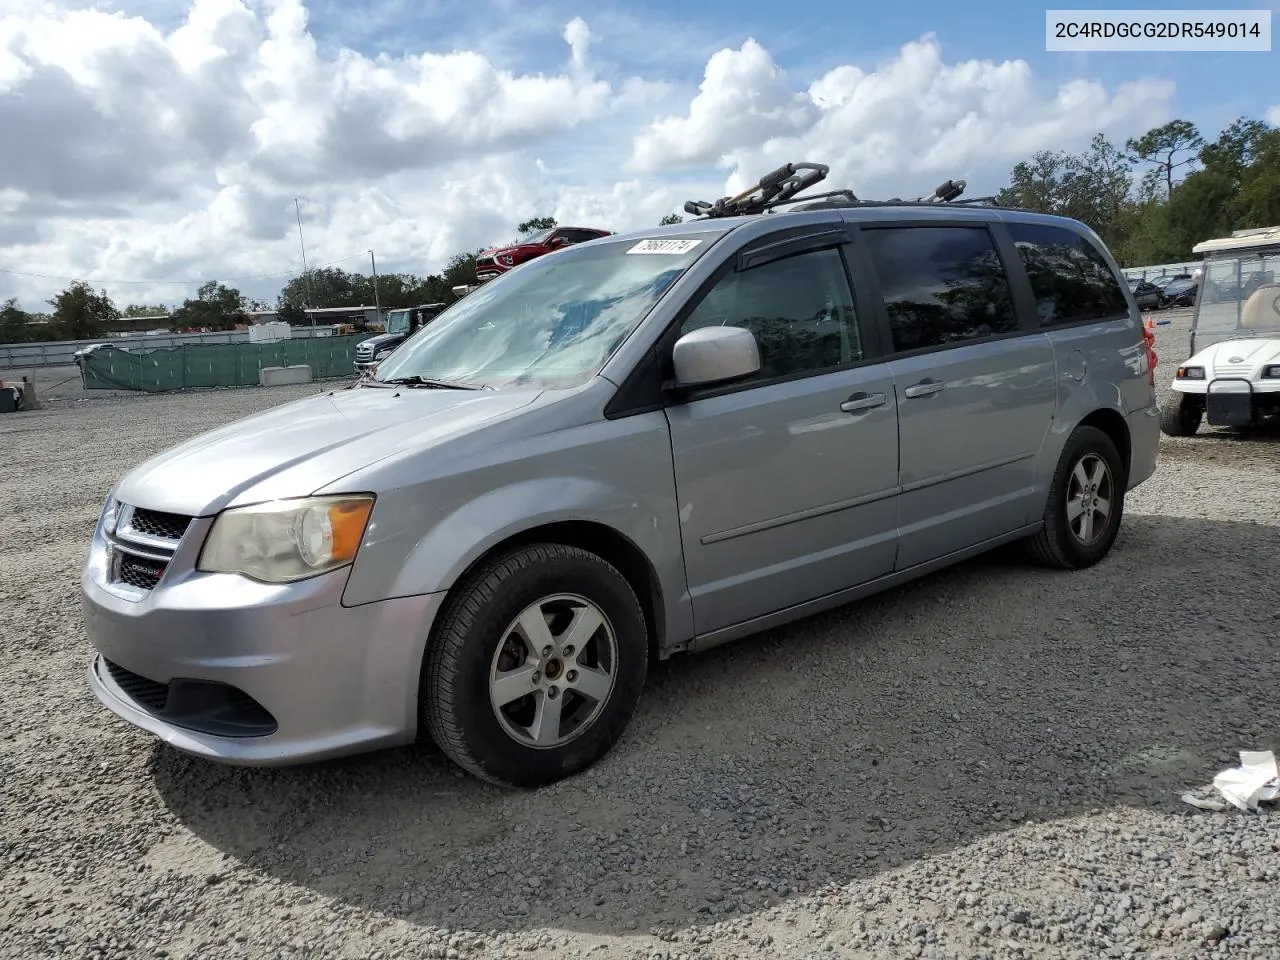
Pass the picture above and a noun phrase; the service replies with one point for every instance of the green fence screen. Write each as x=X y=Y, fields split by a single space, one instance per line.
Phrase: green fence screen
x=215 y=364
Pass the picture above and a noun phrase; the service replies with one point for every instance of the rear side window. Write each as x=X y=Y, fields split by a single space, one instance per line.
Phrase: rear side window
x=1071 y=281
x=941 y=285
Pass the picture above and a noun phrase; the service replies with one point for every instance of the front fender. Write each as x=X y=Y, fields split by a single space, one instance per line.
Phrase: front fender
x=617 y=474
x=477 y=526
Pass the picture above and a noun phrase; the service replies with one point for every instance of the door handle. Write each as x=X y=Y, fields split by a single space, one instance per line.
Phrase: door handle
x=925 y=388
x=863 y=401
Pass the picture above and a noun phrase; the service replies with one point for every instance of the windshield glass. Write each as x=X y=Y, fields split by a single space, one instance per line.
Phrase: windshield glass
x=398 y=321
x=554 y=322
x=538 y=236
x=1240 y=294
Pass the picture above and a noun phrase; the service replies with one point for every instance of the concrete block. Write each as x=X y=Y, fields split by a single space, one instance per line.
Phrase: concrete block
x=277 y=376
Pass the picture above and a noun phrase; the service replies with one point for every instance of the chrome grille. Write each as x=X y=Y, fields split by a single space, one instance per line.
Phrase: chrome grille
x=141 y=573
x=141 y=547
x=153 y=523
x=364 y=352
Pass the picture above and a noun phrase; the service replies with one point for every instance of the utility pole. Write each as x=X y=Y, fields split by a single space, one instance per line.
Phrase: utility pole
x=306 y=278
x=376 y=302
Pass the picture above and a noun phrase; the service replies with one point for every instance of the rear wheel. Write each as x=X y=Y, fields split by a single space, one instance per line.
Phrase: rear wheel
x=1181 y=415
x=1085 y=505
x=537 y=666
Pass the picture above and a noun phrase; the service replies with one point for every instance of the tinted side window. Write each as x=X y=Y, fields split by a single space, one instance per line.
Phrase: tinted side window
x=941 y=285
x=799 y=308
x=1070 y=279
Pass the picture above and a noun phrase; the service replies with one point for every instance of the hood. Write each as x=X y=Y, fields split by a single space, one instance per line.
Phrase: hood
x=298 y=448
x=510 y=248
x=1240 y=354
x=380 y=339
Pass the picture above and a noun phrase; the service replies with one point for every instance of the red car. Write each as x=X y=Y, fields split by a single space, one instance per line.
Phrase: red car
x=492 y=263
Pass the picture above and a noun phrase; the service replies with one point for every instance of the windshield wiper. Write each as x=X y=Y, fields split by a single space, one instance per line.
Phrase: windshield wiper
x=417 y=381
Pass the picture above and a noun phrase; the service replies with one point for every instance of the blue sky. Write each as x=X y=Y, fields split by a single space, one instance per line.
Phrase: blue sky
x=673 y=39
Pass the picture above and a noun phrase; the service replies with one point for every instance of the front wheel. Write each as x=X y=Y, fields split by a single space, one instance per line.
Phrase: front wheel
x=1181 y=415
x=537 y=666
x=1085 y=505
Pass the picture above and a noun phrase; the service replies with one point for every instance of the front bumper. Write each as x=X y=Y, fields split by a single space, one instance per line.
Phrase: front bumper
x=247 y=673
x=1234 y=401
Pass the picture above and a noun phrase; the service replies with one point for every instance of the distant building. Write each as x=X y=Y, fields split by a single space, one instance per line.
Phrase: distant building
x=357 y=315
x=137 y=324
x=324 y=315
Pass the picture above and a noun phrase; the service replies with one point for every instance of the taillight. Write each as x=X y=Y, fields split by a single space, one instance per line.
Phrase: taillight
x=1149 y=337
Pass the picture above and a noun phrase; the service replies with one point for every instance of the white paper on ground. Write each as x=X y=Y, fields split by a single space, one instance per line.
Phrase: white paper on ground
x=1256 y=780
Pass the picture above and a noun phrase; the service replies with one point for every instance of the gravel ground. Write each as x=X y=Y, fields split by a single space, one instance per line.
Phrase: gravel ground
x=986 y=763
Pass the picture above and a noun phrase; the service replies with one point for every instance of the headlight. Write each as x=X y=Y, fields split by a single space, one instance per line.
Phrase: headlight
x=1271 y=372
x=287 y=540
x=110 y=515
x=1190 y=373
x=506 y=259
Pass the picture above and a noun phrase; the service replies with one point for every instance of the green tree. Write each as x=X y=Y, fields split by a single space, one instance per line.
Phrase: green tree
x=1092 y=187
x=145 y=310
x=1258 y=201
x=215 y=307
x=324 y=287
x=459 y=270
x=81 y=314
x=1235 y=186
x=1037 y=184
x=1236 y=148
x=15 y=323
x=670 y=219
x=1099 y=182
x=1162 y=148
x=533 y=224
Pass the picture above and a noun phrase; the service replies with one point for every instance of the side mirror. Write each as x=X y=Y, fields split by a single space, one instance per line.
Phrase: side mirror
x=714 y=355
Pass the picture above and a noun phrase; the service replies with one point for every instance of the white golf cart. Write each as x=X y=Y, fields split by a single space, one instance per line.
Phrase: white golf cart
x=1232 y=378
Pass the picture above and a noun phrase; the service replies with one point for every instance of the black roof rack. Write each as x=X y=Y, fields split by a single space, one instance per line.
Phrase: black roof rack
x=783 y=186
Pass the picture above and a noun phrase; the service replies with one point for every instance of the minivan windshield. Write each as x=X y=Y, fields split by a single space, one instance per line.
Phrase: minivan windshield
x=1239 y=293
x=552 y=322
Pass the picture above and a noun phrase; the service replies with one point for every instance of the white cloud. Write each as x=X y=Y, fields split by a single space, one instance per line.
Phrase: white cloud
x=1273 y=116
x=166 y=149
x=744 y=98
x=911 y=119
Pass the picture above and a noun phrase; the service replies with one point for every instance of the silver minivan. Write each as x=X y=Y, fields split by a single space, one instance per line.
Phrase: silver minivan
x=642 y=445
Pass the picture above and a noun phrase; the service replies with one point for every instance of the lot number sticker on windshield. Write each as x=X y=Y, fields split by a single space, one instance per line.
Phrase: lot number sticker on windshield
x=658 y=245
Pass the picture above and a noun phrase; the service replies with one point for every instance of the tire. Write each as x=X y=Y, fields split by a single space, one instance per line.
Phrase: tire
x=1059 y=543
x=478 y=636
x=1181 y=416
